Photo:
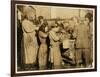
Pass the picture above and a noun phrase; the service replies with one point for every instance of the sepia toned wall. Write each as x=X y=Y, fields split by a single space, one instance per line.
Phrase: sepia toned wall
x=43 y=11
x=66 y=12
x=58 y=12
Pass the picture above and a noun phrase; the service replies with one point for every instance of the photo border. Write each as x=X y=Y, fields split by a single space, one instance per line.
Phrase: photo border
x=13 y=36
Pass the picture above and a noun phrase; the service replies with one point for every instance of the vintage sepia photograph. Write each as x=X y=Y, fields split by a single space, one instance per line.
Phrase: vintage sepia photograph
x=50 y=37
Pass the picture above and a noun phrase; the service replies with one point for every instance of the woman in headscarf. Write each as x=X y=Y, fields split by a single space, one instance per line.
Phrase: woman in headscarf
x=30 y=45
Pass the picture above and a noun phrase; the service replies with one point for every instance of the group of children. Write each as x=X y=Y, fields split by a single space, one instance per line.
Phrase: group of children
x=51 y=46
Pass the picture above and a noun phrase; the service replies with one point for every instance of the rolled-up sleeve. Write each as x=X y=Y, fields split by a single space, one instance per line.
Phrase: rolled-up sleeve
x=54 y=36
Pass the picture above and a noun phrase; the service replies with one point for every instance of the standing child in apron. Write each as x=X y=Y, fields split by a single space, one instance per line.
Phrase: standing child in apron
x=55 y=54
x=42 y=56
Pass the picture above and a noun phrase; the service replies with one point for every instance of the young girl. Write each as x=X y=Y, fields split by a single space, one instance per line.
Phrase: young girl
x=55 y=54
x=42 y=56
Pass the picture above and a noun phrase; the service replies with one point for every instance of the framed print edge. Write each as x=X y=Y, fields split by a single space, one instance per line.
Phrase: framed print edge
x=13 y=39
